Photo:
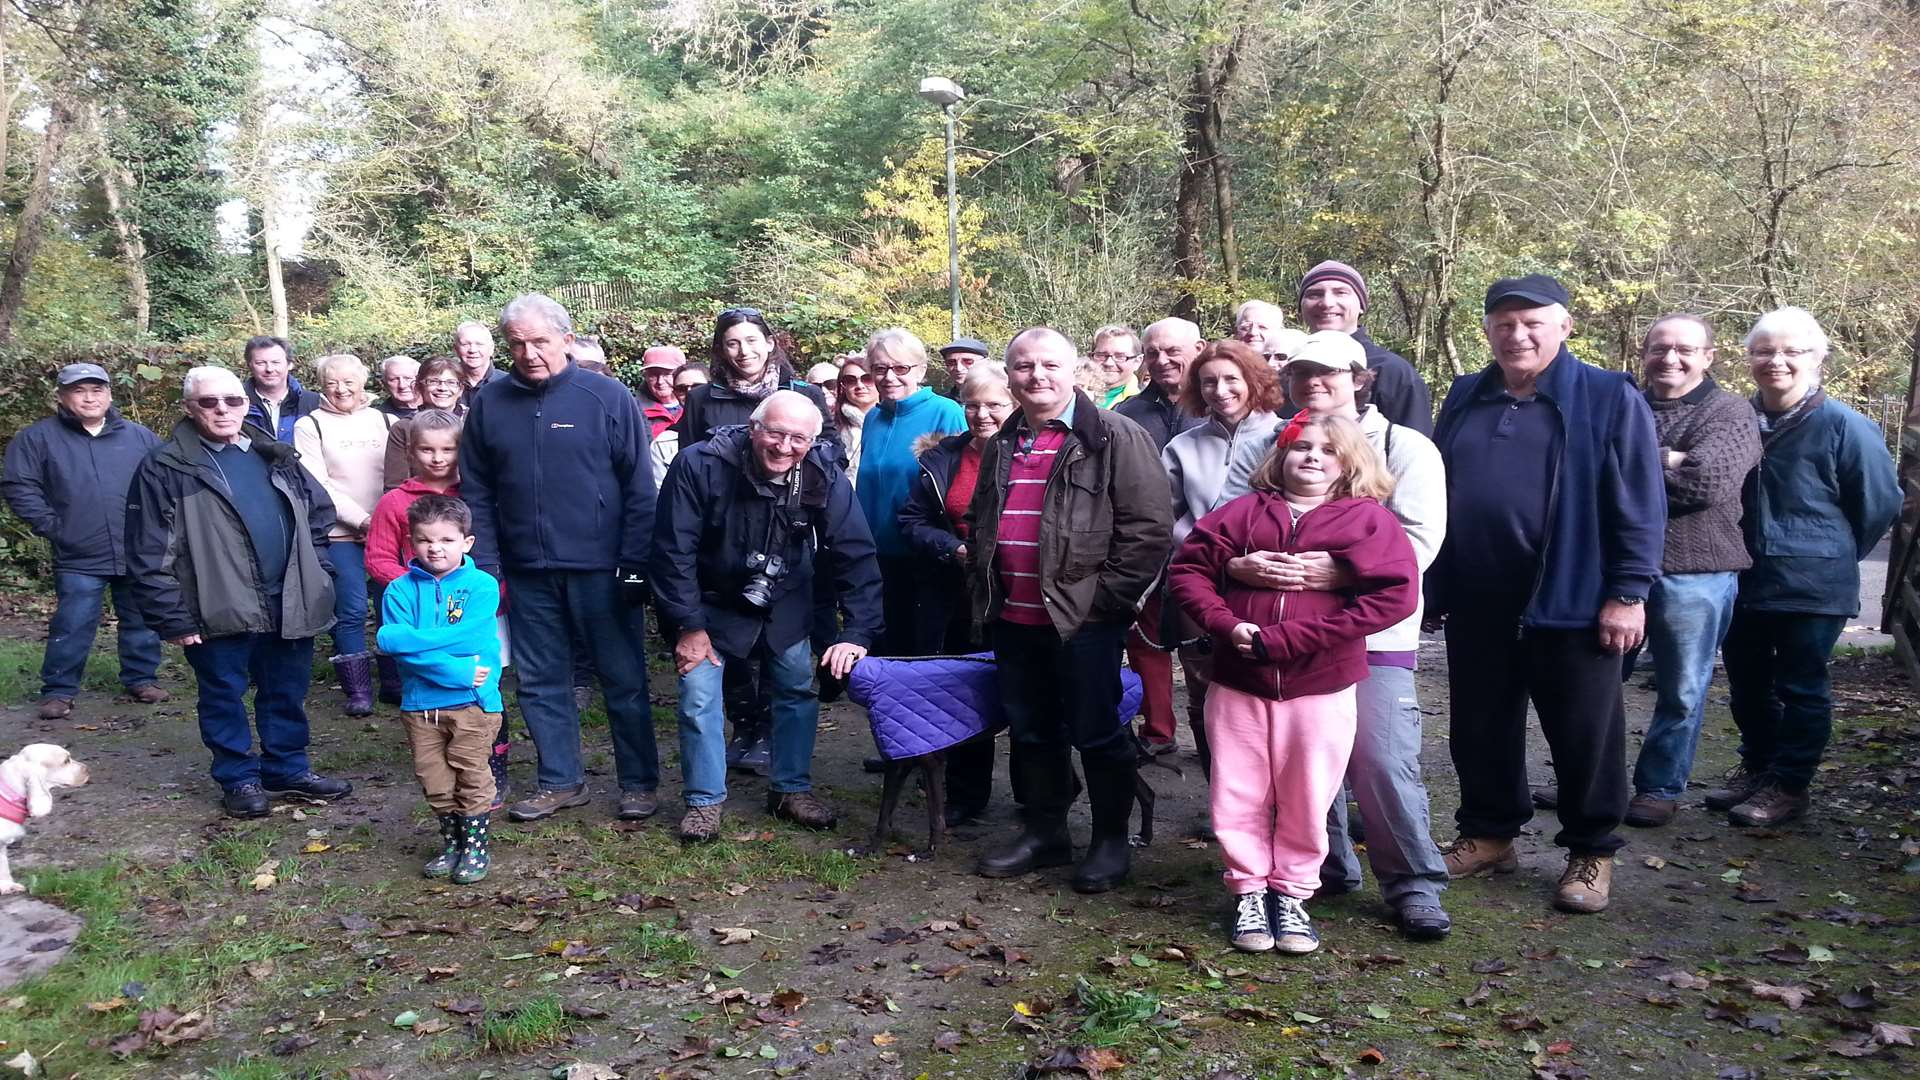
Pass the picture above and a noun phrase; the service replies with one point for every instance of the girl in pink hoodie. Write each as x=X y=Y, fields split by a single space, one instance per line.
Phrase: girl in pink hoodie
x=1280 y=711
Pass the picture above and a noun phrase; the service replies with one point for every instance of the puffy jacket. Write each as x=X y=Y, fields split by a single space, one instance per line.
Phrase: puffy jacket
x=71 y=487
x=1823 y=495
x=298 y=403
x=922 y=704
x=1607 y=511
x=712 y=406
x=1106 y=529
x=716 y=510
x=193 y=566
x=1398 y=390
x=931 y=536
x=1314 y=642
x=440 y=630
x=887 y=462
x=557 y=474
x=1157 y=414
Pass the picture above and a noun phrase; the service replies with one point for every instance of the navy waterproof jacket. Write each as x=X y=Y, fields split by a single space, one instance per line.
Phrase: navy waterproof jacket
x=557 y=474
x=1607 y=509
x=71 y=488
x=298 y=403
x=1823 y=495
x=715 y=511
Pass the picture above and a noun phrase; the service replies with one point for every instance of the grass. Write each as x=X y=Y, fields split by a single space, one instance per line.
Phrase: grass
x=653 y=859
x=1114 y=1013
x=20 y=669
x=540 y=1022
x=654 y=943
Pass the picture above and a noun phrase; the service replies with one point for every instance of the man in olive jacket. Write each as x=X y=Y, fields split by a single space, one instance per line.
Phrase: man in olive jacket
x=224 y=530
x=1071 y=523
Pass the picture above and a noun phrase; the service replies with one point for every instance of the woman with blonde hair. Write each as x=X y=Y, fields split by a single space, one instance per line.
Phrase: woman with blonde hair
x=343 y=444
x=1280 y=713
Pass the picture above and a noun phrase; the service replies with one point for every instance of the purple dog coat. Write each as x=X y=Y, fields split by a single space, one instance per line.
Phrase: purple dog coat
x=918 y=705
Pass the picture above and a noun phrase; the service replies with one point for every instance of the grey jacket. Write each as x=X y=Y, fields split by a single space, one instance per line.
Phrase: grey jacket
x=193 y=567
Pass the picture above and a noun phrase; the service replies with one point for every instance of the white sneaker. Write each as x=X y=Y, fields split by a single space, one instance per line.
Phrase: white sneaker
x=1292 y=930
x=1251 y=929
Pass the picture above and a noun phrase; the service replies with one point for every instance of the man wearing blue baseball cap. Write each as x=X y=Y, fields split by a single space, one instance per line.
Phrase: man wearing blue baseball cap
x=1556 y=521
x=67 y=478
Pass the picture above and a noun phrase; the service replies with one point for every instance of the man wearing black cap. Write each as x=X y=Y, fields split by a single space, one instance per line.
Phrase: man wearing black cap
x=67 y=478
x=1556 y=520
x=1333 y=296
x=961 y=354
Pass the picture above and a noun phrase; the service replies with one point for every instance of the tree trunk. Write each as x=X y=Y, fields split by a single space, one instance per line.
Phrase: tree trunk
x=116 y=181
x=1188 y=195
x=1214 y=131
x=270 y=247
x=30 y=228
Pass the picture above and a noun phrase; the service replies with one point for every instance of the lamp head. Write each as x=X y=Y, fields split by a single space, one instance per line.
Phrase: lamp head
x=941 y=91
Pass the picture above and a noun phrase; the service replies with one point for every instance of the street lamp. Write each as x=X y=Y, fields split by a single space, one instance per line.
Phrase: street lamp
x=947 y=94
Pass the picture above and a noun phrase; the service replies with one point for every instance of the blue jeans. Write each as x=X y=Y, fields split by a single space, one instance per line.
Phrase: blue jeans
x=1687 y=619
x=788 y=677
x=1781 y=694
x=547 y=610
x=76 y=620
x=1384 y=773
x=349 y=561
x=279 y=671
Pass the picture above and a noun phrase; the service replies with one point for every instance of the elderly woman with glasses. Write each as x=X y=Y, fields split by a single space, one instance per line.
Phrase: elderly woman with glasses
x=441 y=386
x=343 y=444
x=907 y=410
x=1822 y=496
x=748 y=365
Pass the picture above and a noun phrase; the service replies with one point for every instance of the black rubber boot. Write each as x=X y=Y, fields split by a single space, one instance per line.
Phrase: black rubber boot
x=355 y=672
x=1110 y=791
x=442 y=864
x=387 y=672
x=1045 y=779
x=474 y=859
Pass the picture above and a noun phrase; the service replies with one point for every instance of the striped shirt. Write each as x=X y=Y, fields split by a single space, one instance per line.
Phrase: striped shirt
x=1018 y=554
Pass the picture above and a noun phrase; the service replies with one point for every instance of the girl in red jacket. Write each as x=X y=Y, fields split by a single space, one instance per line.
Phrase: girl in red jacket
x=1280 y=711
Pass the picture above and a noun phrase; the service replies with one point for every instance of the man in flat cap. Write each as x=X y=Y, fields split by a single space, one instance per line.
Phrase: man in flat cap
x=960 y=355
x=1556 y=520
x=67 y=477
x=1333 y=296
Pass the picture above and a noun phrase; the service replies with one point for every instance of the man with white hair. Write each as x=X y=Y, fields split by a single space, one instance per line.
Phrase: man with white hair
x=473 y=347
x=554 y=465
x=1556 y=520
x=745 y=517
x=225 y=532
x=400 y=375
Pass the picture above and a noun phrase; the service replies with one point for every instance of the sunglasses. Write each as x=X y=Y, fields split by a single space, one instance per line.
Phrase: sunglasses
x=233 y=401
x=741 y=313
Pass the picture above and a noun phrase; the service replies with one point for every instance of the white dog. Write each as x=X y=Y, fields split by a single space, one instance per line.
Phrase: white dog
x=27 y=780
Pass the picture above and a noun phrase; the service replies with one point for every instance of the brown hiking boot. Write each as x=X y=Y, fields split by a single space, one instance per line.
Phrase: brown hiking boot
x=701 y=824
x=1470 y=856
x=638 y=805
x=1773 y=804
x=803 y=808
x=1647 y=812
x=1735 y=788
x=1584 y=887
x=150 y=694
x=55 y=708
x=545 y=803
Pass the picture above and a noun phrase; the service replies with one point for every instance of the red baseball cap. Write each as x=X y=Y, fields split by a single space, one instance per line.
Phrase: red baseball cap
x=662 y=356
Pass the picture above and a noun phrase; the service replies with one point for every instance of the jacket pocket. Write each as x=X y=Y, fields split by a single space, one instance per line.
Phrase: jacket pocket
x=1807 y=536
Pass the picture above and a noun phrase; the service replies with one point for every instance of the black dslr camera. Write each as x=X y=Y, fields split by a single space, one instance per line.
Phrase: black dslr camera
x=767 y=570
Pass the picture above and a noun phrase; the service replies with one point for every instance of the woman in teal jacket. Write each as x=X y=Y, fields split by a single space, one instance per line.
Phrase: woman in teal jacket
x=888 y=466
x=1823 y=495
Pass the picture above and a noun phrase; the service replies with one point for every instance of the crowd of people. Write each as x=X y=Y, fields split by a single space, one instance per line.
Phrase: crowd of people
x=1280 y=510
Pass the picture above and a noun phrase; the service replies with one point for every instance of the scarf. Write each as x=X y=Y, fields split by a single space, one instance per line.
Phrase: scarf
x=1771 y=427
x=759 y=388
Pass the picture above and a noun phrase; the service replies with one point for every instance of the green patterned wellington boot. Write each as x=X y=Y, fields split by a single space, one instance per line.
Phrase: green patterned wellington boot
x=473 y=850
x=442 y=864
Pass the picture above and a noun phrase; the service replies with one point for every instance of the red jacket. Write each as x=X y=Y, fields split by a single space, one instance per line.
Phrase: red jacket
x=660 y=416
x=389 y=544
x=1314 y=641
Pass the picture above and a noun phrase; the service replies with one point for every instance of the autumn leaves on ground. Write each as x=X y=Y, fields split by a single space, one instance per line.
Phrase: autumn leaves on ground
x=306 y=946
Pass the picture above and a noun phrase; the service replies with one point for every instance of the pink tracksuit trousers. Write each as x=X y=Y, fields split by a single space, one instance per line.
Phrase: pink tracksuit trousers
x=1277 y=767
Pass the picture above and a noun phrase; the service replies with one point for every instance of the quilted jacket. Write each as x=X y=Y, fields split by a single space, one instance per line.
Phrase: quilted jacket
x=922 y=704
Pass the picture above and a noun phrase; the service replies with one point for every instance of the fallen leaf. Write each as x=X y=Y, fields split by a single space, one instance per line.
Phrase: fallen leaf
x=1859 y=999
x=1791 y=996
x=1522 y=1022
x=108 y=1005
x=587 y=1070
x=1489 y=967
x=406 y=1019
x=885 y=1038
x=789 y=1001
x=1371 y=1056
x=946 y=1042
x=292 y=1044
x=355 y=922
x=24 y=1062
x=435 y=974
x=264 y=875
x=1685 y=980
x=1654 y=862
x=260 y=970
x=1479 y=996
x=315 y=847
x=1893 y=1034
x=735 y=935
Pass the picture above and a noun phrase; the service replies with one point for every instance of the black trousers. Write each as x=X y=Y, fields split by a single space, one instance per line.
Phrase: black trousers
x=1575 y=688
x=1060 y=694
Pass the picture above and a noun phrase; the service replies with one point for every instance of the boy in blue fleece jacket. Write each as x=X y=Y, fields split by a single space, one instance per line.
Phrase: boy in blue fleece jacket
x=437 y=622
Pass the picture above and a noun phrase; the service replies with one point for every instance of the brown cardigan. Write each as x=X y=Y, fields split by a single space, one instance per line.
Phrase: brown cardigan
x=1717 y=432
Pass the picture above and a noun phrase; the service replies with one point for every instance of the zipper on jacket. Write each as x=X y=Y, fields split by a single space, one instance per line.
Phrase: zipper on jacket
x=1553 y=505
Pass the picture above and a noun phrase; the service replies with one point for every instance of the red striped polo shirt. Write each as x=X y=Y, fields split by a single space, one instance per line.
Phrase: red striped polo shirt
x=1019 y=543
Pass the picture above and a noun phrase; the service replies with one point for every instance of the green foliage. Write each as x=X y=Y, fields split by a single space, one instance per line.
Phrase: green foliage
x=540 y=1022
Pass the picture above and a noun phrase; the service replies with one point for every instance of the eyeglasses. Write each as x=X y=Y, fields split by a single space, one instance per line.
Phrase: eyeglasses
x=331 y=385
x=783 y=438
x=209 y=404
x=442 y=384
x=898 y=371
x=1784 y=354
x=1684 y=352
x=741 y=313
x=1114 y=357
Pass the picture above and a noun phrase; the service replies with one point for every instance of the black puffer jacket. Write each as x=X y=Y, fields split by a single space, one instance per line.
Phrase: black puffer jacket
x=71 y=487
x=715 y=405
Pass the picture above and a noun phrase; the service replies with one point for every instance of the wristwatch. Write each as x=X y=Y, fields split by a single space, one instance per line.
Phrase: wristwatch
x=1630 y=601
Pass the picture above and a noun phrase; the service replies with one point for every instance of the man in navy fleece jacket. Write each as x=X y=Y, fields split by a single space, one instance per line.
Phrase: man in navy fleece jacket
x=554 y=464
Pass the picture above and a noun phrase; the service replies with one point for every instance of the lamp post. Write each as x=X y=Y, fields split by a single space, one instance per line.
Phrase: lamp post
x=947 y=95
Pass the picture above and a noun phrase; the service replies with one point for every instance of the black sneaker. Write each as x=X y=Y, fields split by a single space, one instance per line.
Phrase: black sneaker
x=244 y=801
x=1423 y=920
x=310 y=785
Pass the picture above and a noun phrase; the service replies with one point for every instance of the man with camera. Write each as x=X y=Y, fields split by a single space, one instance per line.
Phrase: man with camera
x=744 y=517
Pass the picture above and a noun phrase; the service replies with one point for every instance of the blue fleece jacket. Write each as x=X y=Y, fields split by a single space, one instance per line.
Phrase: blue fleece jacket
x=439 y=630
x=888 y=464
x=1607 y=508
